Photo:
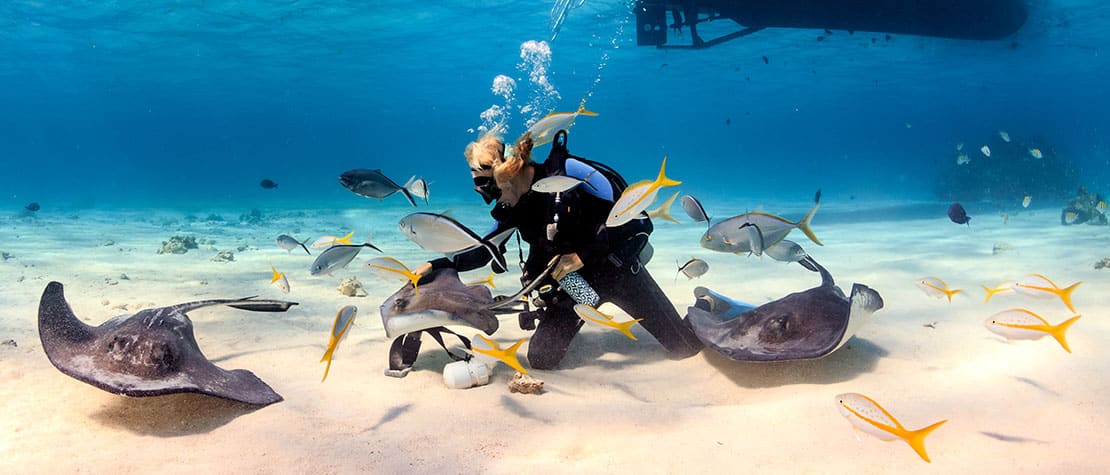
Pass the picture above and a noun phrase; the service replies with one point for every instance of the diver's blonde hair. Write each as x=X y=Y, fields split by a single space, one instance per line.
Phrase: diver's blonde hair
x=489 y=152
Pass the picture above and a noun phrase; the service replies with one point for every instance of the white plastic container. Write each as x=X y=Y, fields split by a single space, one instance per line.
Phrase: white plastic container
x=466 y=374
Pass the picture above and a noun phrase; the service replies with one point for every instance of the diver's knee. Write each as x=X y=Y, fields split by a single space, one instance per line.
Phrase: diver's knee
x=544 y=358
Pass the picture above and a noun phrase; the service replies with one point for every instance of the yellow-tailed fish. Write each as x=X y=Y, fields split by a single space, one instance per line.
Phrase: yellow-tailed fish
x=1070 y=217
x=868 y=416
x=328 y=241
x=1036 y=153
x=1039 y=286
x=1005 y=136
x=491 y=349
x=1021 y=324
x=936 y=288
x=986 y=151
x=1025 y=201
x=1101 y=207
x=544 y=130
x=391 y=268
x=487 y=281
x=1000 y=288
x=597 y=318
x=636 y=198
x=280 y=280
x=339 y=328
x=664 y=210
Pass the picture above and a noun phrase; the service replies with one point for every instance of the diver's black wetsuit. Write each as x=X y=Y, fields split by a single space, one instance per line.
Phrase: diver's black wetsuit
x=611 y=268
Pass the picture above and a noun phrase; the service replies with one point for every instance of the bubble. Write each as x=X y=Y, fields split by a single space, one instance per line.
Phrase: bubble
x=535 y=59
x=504 y=86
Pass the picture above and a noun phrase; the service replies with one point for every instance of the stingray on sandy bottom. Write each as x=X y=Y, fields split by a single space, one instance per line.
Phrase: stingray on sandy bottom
x=150 y=353
x=443 y=300
x=802 y=325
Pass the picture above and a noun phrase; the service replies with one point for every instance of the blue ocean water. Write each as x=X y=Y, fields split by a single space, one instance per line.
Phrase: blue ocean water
x=189 y=104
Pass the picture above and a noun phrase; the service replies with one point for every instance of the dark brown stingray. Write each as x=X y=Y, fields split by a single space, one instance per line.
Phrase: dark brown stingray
x=802 y=325
x=150 y=353
x=444 y=300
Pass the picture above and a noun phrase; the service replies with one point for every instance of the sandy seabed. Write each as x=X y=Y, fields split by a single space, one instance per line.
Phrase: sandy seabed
x=615 y=405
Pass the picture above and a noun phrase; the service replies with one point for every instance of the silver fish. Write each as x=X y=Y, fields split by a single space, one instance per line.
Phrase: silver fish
x=692 y=268
x=694 y=209
x=734 y=234
x=337 y=257
x=418 y=187
x=372 y=184
x=560 y=183
x=289 y=243
x=786 y=251
x=440 y=233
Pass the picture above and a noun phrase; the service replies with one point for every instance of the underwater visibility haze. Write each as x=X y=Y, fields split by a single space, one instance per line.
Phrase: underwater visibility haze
x=195 y=102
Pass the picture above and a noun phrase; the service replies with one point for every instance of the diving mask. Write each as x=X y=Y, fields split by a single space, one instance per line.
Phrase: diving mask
x=487 y=187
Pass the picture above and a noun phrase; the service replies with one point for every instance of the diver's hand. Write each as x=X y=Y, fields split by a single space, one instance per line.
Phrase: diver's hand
x=423 y=269
x=567 y=263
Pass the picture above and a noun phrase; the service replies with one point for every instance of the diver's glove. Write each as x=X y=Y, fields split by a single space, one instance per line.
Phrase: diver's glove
x=579 y=290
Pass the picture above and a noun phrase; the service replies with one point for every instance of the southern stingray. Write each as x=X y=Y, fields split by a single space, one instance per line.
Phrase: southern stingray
x=802 y=325
x=150 y=353
x=444 y=300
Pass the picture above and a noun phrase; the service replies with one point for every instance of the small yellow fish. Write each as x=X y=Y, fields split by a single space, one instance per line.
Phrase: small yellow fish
x=986 y=151
x=1101 y=207
x=1007 y=286
x=936 y=288
x=636 y=198
x=1005 y=136
x=389 y=267
x=1070 y=217
x=343 y=321
x=491 y=349
x=1025 y=201
x=487 y=281
x=594 y=316
x=868 y=416
x=280 y=280
x=1021 y=324
x=664 y=210
x=1039 y=286
x=328 y=241
x=1036 y=153
x=544 y=130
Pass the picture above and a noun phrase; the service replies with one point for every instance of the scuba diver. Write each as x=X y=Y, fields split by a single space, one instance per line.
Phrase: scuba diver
x=603 y=263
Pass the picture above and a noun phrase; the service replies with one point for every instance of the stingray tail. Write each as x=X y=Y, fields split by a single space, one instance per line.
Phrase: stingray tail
x=255 y=305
